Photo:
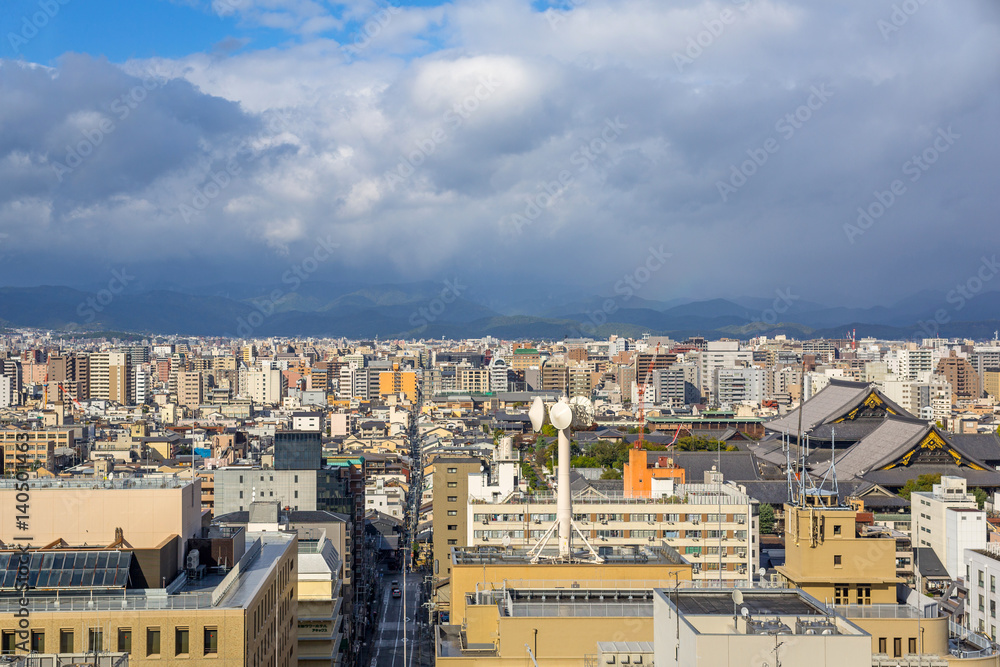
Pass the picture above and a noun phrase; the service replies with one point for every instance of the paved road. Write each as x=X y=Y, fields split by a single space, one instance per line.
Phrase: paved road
x=387 y=649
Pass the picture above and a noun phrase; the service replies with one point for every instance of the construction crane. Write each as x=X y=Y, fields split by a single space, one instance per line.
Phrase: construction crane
x=641 y=415
x=71 y=396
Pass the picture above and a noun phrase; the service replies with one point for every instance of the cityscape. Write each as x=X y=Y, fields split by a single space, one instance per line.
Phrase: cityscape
x=511 y=333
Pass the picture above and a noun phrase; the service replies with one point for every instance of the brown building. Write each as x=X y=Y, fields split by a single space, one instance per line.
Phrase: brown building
x=450 y=507
x=965 y=382
x=72 y=372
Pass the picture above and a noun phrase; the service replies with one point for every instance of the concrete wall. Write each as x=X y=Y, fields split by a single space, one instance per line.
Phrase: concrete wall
x=90 y=515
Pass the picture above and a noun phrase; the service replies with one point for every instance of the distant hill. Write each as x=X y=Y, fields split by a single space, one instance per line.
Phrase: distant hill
x=432 y=310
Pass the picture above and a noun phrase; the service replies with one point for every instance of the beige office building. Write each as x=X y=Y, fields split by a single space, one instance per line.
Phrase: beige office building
x=148 y=510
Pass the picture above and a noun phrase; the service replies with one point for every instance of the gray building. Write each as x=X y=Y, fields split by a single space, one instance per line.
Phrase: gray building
x=298 y=450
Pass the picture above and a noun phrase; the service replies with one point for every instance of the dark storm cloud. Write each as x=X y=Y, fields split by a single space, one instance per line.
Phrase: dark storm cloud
x=748 y=135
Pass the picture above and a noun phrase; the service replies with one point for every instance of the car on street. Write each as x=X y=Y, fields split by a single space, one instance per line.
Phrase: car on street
x=396 y=592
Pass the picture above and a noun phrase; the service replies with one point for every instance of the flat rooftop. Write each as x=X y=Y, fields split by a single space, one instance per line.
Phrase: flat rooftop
x=653 y=555
x=780 y=603
x=119 y=483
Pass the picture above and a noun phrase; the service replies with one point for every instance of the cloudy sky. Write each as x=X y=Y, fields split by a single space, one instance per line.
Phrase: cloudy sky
x=503 y=141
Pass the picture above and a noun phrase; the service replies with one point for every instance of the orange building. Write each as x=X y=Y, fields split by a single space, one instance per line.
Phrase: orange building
x=643 y=480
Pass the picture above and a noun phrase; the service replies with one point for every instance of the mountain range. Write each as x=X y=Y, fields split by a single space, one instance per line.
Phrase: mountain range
x=450 y=310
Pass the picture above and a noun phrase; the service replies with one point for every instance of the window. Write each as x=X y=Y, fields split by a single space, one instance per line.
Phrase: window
x=211 y=641
x=241 y=479
x=864 y=594
x=152 y=641
x=993 y=608
x=993 y=583
x=296 y=494
x=452 y=512
x=982 y=582
x=881 y=644
x=8 y=643
x=66 y=641
x=912 y=646
x=841 y=594
x=37 y=641
x=241 y=494
x=837 y=560
x=182 y=639
x=452 y=471
x=453 y=542
x=452 y=499
x=296 y=479
x=836 y=529
x=897 y=647
x=124 y=640
x=95 y=640
x=452 y=485
x=452 y=526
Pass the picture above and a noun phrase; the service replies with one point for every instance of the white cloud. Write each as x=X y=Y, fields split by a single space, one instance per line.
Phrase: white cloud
x=534 y=96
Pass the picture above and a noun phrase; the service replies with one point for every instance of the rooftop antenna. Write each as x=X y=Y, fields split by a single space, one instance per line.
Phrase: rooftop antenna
x=563 y=416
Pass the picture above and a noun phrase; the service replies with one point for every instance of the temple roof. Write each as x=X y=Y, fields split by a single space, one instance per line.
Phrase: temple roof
x=841 y=399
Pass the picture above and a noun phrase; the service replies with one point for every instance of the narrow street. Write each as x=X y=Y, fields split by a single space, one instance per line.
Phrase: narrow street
x=388 y=646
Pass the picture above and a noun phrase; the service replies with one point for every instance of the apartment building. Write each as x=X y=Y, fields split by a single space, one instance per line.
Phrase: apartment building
x=37 y=447
x=450 y=506
x=965 y=381
x=712 y=525
x=948 y=520
x=190 y=390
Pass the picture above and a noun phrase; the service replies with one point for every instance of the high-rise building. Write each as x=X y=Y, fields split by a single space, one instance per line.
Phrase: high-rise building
x=190 y=389
x=265 y=386
x=111 y=377
x=397 y=382
x=965 y=382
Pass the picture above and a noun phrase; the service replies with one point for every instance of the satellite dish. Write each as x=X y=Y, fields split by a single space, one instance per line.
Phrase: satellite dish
x=744 y=612
x=762 y=571
x=506 y=541
x=583 y=412
x=738 y=596
x=537 y=414
x=561 y=415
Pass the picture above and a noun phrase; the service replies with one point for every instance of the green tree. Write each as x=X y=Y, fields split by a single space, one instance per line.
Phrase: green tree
x=585 y=462
x=921 y=483
x=766 y=518
x=980 y=495
x=611 y=473
x=549 y=431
